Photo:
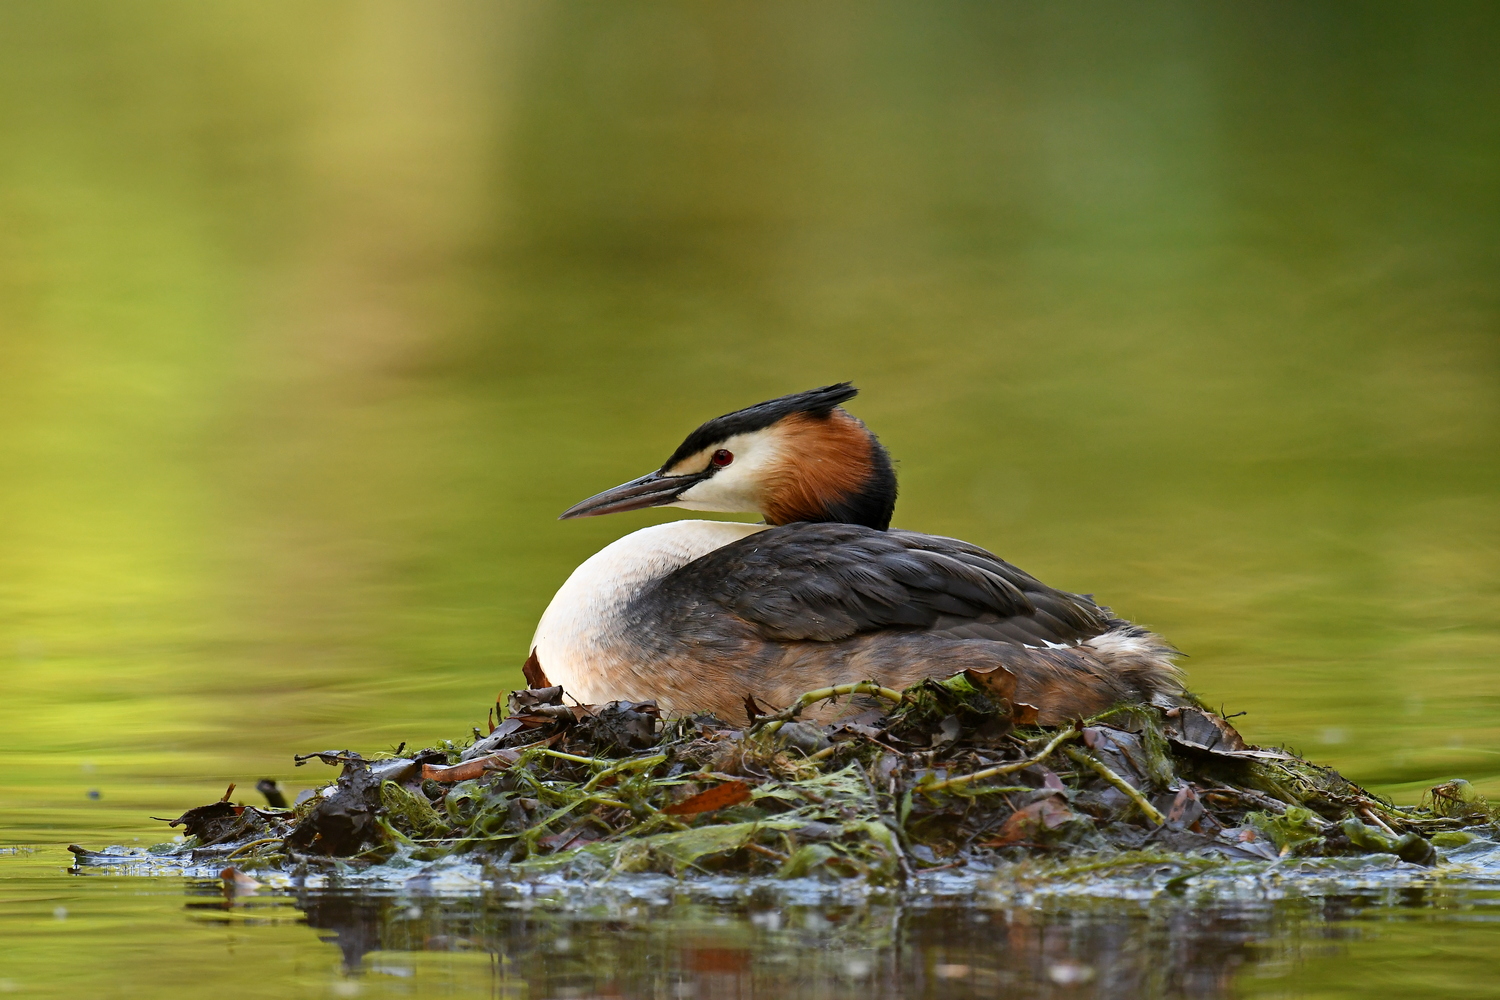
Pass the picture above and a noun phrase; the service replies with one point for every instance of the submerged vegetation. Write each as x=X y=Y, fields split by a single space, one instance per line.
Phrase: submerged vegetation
x=946 y=773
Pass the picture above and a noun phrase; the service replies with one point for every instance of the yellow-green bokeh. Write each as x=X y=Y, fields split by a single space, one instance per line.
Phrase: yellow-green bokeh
x=313 y=316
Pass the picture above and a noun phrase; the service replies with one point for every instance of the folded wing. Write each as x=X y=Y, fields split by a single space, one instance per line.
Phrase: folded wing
x=826 y=582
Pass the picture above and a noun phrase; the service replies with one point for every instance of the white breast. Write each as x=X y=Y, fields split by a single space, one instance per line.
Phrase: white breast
x=578 y=640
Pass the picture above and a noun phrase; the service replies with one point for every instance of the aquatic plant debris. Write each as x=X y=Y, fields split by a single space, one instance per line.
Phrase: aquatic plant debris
x=944 y=774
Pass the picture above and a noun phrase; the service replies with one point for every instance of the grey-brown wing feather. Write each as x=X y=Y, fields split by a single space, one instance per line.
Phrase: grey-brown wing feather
x=827 y=582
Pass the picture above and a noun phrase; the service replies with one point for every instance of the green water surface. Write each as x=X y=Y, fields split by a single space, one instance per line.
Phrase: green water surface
x=314 y=316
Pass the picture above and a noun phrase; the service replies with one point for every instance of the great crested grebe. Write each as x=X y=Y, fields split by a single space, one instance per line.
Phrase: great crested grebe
x=699 y=614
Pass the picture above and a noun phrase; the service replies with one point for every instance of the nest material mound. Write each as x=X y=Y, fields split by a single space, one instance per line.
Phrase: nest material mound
x=943 y=774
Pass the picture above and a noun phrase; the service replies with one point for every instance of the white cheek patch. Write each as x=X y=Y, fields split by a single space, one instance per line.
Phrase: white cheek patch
x=736 y=488
x=724 y=493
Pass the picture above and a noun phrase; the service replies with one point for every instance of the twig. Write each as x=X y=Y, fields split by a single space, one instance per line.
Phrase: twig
x=537 y=828
x=775 y=722
x=1104 y=771
x=901 y=862
x=1264 y=801
x=253 y=843
x=624 y=765
x=751 y=845
x=575 y=758
x=1000 y=790
x=990 y=772
x=1371 y=815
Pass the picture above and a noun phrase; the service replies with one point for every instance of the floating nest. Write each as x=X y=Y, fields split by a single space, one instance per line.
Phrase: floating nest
x=944 y=774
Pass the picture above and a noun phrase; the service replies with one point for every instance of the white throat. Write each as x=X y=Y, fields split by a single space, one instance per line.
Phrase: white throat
x=578 y=639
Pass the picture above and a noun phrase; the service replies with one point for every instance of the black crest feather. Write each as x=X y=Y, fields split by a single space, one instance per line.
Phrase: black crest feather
x=817 y=402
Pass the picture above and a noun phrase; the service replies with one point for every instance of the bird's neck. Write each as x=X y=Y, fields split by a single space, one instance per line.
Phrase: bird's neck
x=840 y=473
x=582 y=629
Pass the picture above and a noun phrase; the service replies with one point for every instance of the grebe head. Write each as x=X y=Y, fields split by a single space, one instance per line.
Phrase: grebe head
x=797 y=458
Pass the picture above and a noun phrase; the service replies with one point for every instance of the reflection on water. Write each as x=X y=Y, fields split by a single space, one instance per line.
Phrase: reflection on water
x=770 y=950
x=662 y=941
x=650 y=937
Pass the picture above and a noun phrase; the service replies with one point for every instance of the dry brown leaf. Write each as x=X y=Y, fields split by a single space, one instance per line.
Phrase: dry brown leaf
x=532 y=670
x=236 y=881
x=1044 y=814
x=1023 y=713
x=476 y=768
x=728 y=794
x=1193 y=727
x=997 y=682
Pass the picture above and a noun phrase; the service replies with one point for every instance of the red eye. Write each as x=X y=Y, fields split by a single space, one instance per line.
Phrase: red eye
x=722 y=458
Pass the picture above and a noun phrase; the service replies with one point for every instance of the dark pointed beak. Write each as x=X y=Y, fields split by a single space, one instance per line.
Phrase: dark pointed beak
x=651 y=490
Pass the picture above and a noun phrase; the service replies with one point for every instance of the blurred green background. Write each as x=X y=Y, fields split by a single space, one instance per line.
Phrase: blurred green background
x=313 y=317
